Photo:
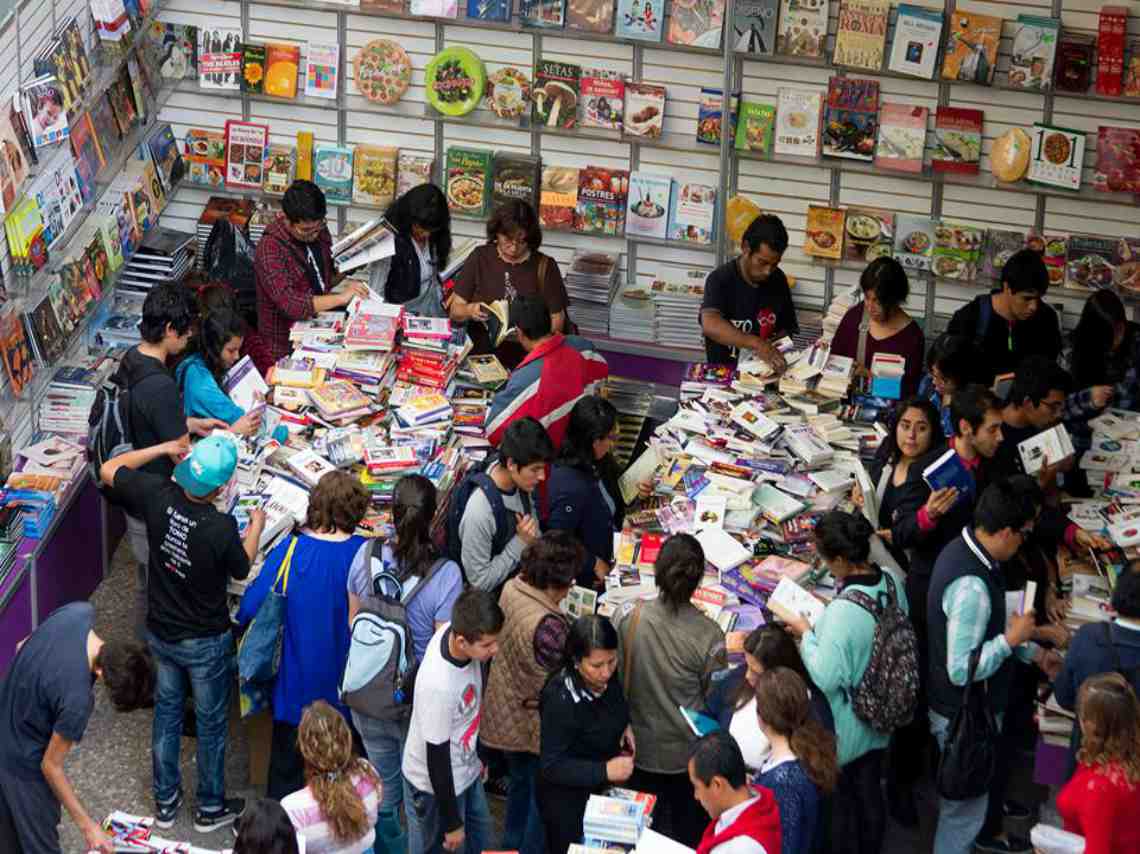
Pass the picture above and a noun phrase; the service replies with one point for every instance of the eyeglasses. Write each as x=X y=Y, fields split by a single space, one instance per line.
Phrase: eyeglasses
x=310 y=225
x=513 y=240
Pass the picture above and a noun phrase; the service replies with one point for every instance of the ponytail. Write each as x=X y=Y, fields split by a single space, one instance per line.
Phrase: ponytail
x=413 y=510
x=325 y=743
x=782 y=704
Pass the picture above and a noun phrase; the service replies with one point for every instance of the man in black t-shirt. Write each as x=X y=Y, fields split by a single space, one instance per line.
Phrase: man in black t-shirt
x=46 y=700
x=747 y=302
x=193 y=551
x=156 y=413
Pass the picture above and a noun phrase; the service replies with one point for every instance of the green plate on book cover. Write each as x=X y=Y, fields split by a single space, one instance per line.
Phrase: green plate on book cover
x=455 y=79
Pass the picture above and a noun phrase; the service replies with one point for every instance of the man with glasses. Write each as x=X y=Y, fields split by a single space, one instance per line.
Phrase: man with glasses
x=966 y=615
x=294 y=269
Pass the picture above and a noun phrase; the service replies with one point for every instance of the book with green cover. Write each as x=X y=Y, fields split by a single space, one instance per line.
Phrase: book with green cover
x=253 y=68
x=754 y=127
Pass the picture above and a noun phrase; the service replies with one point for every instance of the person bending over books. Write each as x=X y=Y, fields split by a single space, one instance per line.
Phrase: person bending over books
x=213 y=351
x=410 y=276
x=293 y=270
x=584 y=497
x=1102 y=799
x=507 y=267
x=586 y=742
x=836 y=652
x=1013 y=322
x=670 y=650
x=881 y=325
x=265 y=828
x=950 y=366
x=747 y=303
x=745 y=818
x=557 y=371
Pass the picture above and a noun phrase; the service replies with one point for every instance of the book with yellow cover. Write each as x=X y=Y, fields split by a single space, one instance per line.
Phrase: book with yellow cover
x=374 y=175
x=281 y=62
x=304 y=170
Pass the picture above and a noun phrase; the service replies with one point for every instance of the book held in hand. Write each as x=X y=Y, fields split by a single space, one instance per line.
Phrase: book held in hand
x=790 y=602
x=1046 y=448
x=949 y=470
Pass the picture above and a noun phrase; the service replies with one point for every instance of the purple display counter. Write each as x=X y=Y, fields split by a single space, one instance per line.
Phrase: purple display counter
x=646 y=362
x=64 y=566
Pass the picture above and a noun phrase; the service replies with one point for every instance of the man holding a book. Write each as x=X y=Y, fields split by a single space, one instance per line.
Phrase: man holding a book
x=294 y=269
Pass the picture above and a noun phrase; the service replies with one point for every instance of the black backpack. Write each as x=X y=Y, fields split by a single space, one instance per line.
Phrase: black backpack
x=887 y=696
x=380 y=671
x=110 y=430
x=478 y=479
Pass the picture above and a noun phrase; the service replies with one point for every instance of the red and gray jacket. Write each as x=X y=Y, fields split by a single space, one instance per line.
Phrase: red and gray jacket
x=554 y=376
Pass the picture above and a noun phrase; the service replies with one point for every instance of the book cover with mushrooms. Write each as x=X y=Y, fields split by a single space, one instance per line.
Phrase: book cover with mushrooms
x=555 y=94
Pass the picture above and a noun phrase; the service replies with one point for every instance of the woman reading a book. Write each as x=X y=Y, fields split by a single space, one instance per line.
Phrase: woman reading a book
x=880 y=324
x=410 y=276
x=508 y=266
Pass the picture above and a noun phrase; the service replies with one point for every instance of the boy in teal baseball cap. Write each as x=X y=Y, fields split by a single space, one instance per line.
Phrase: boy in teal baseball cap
x=194 y=551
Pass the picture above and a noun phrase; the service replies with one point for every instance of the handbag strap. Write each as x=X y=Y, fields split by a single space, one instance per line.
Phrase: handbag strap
x=283 y=571
x=864 y=331
x=634 y=618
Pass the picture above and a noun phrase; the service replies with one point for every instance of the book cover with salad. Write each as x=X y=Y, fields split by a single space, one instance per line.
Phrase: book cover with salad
x=957 y=140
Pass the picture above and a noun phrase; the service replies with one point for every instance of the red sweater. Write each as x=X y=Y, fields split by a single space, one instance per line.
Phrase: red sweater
x=760 y=821
x=1101 y=806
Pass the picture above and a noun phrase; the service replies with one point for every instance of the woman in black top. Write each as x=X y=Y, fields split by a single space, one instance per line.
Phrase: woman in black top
x=410 y=276
x=909 y=517
x=586 y=741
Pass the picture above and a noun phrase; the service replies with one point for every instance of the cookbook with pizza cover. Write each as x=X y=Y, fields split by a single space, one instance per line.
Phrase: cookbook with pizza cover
x=245 y=154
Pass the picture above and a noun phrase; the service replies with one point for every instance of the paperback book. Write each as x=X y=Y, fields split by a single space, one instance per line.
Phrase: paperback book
x=219 y=58
x=321 y=70
x=861 y=37
x=640 y=20
x=755 y=127
x=851 y=118
x=556 y=87
x=902 y=137
x=468 y=180
x=516 y=176
x=1033 y=52
x=253 y=68
x=489 y=10
x=754 y=26
x=918 y=32
x=332 y=171
x=803 y=27
x=280 y=166
x=245 y=154
x=281 y=64
x=558 y=197
x=696 y=22
x=972 y=48
x=374 y=175
x=1048 y=447
x=542 y=13
x=644 y=110
x=592 y=16
x=602 y=194
x=798 y=114
x=957 y=140
x=692 y=210
x=602 y=97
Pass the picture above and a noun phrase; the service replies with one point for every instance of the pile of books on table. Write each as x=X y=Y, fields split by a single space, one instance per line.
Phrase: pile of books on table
x=165 y=255
x=591 y=282
x=430 y=351
x=613 y=820
x=677 y=300
x=68 y=398
x=632 y=316
x=373 y=326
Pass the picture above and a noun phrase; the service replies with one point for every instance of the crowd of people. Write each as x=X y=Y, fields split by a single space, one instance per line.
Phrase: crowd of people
x=556 y=709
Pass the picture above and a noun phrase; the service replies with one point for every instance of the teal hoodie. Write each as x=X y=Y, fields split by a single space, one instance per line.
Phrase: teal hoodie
x=836 y=652
x=202 y=397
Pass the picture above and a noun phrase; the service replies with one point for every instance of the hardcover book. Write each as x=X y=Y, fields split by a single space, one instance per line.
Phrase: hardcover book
x=219 y=58
x=253 y=68
x=321 y=70
x=644 y=110
x=332 y=171
x=957 y=140
x=374 y=175
x=468 y=180
x=1033 y=52
x=593 y=16
x=755 y=128
x=649 y=196
x=602 y=193
x=696 y=22
x=603 y=94
x=280 y=166
x=972 y=48
x=516 y=176
x=1056 y=156
x=556 y=86
x=558 y=197
x=797 y=122
x=803 y=27
x=641 y=20
x=542 y=13
x=281 y=64
x=918 y=32
x=851 y=118
x=754 y=26
x=861 y=37
x=245 y=154
x=489 y=10
x=692 y=210
x=902 y=137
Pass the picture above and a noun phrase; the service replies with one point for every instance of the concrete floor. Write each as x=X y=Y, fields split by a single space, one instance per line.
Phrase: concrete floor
x=111 y=767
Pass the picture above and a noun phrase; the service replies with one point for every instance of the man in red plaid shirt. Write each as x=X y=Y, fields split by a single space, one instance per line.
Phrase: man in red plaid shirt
x=294 y=270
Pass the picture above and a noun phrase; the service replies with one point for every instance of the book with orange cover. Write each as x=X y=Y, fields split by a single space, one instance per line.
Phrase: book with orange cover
x=281 y=63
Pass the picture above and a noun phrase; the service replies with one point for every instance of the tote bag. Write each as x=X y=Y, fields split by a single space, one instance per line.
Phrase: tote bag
x=259 y=653
x=966 y=767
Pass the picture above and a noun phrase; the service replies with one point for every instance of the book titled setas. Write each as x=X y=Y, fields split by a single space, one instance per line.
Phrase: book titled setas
x=957 y=140
x=602 y=194
x=555 y=94
x=468 y=175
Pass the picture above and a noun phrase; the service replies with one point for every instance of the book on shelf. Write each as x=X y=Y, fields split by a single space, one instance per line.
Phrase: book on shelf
x=644 y=110
x=412 y=170
x=551 y=79
x=918 y=32
x=902 y=137
x=802 y=27
x=971 y=47
x=253 y=68
x=649 y=198
x=281 y=63
x=1032 y=52
x=640 y=21
x=469 y=180
x=44 y=111
x=754 y=26
x=332 y=171
x=755 y=127
x=957 y=140
x=850 y=118
x=514 y=176
x=374 y=175
x=245 y=150
x=798 y=113
x=861 y=34
x=698 y=24
x=593 y=16
x=489 y=10
x=602 y=94
x=692 y=212
x=321 y=69
x=550 y=14
x=220 y=58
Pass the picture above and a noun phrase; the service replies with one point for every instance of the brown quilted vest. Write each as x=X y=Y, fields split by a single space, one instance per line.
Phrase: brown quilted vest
x=510 y=708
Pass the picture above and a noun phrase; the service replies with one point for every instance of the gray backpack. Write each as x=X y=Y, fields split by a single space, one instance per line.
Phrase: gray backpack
x=380 y=671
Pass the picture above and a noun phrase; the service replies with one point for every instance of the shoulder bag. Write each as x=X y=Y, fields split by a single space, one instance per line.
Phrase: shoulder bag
x=259 y=653
x=966 y=766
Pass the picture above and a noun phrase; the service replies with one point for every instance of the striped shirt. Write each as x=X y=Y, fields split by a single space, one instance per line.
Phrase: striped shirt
x=966 y=604
x=311 y=824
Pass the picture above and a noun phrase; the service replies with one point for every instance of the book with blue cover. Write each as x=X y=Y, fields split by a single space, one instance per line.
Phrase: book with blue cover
x=489 y=10
x=949 y=470
x=642 y=20
x=332 y=171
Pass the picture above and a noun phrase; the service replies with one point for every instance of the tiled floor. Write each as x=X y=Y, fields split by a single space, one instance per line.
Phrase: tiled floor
x=111 y=767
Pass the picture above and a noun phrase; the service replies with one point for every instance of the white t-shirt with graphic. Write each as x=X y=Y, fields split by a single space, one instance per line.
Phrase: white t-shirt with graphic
x=447 y=707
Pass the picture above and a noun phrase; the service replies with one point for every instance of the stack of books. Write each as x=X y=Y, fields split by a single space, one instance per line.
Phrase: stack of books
x=843 y=301
x=591 y=283
x=836 y=376
x=369 y=369
x=613 y=820
x=431 y=356
x=296 y=372
x=470 y=405
x=485 y=371
x=373 y=326
x=68 y=400
x=340 y=402
x=423 y=410
x=676 y=303
x=165 y=255
x=632 y=315
x=382 y=460
x=309 y=466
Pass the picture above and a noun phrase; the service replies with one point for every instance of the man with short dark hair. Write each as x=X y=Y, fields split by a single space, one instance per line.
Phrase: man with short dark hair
x=498 y=521
x=558 y=371
x=294 y=269
x=966 y=614
x=1012 y=322
x=745 y=819
x=194 y=551
x=443 y=789
x=156 y=412
x=46 y=700
x=747 y=303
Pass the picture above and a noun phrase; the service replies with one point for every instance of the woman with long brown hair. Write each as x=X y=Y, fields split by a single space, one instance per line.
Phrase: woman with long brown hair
x=1102 y=799
x=336 y=811
x=802 y=765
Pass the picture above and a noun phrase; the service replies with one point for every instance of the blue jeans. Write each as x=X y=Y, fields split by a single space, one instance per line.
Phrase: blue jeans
x=206 y=666
x=522 y=830
x=425 y=830
x=384 y=744
x=959 y=822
